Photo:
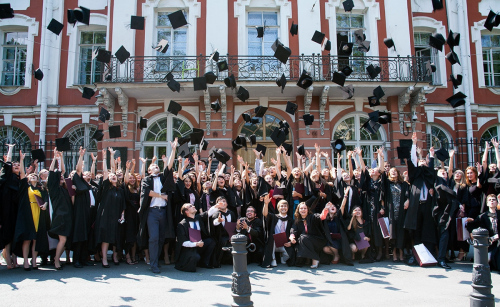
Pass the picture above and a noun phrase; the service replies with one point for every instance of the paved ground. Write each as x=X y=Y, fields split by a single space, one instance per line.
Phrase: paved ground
x=378 y=284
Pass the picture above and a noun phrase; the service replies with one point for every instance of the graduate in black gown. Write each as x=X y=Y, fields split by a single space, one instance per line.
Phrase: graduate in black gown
x=62 y=217
x=132 y=188
x=219 y=217
x=251 y=226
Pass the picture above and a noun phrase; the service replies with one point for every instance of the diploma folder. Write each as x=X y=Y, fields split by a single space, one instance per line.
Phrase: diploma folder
x=230 y=228
x=423 y=256
x=194 y=235
x=280 y=239
x=384 y=227
x=69 y=187
x=362 y=244
x=39 y=201
x=462 y=232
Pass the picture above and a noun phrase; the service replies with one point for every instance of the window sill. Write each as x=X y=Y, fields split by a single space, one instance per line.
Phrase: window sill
x=494 y=89
x=11 y=90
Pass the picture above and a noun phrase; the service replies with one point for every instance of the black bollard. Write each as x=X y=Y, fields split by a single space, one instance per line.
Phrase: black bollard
x=481 y=276
x=241 y=288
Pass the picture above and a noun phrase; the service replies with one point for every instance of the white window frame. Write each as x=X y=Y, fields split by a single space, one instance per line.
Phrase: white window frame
x=476 y=30
x=434 y=58
x=94 y=47
x=491 y=49
x=267 y=27
x=429 y=132
x=17 y=72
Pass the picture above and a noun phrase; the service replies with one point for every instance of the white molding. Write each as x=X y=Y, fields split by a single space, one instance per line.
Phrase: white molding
x=240 y=109
x=7 y=118
x=450 y=121
x=6 y=92
x=194 y=111
x=64 y=121
x=20 y=5
x=430 y=116
x=143 y=111
x=282 y=107
x=421 y=6
x=335 y=109
x=29 y=122
x=484 y=6
x=93 y=4
x=481 y=121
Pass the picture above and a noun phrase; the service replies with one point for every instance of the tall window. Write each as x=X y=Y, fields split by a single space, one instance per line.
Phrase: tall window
x=347 y=24
x=80 y=135
x=261 y=46
x=491 y=59
x=177 y=41
x=90 y=70
x=14 y=58
x=14 y=135
x=423 y=50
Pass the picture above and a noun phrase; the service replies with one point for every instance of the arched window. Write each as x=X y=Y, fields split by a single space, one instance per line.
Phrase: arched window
x=438 y=137
x=14 y=135
x=349 y=129
x=160 y=132
x=80 y=135
x=492 y=132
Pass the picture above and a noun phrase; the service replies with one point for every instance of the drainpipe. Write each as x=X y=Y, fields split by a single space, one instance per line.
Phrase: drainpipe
x=45 y=67
x=462 y=24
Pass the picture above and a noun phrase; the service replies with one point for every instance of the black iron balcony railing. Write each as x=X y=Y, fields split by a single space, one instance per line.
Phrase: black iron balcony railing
x=153 y=69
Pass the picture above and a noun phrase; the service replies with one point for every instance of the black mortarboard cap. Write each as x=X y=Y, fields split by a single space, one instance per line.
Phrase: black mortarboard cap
x=456 y=81
x=260 y=111
x=115 y=132
x=291 y=107
x=174 y=107
x=63 y=144
x=457 y=100
x=80 y=14
x=196 y=136
x=338 y=145
x=345 y=49
x=183 y=140
x=143 y=123
x=274 y=46
x=253 y=139
x=261 y=148
x=437 y=4
x=204 y=144
x=137 y=22
x=241 y=139
x=278 y=136
x=38 y=74
x=284 y=126
x=55 y=26
x=371 y=126
x=388 y=42
x=243 y=94
x=214 y=56
x=378 y=92
x=177 y=19
x=236 y=145
x=98 y=135
x=183 y=150
x=246 y=117
x=210 y=77
x=281 y=82
x=38 y=154
x=452 y=57
x=222 y=65
x=327 y=45
x=491 y=21
x=122 y=54
x=300 y=150
x=364 y=46
x=359 y=36
x=429 y=68
x=437 y=41
x=288 y=148
x=162 y=46
x=373 y=71
x=174 y=85
x=294 y=29
x=305 y=80
x=260 y=32
x=453 y=39
x=442 y=154
x=348 y=5
x=308 y=119
x=104 y=115
x=373 y=101
x=215 y=106
x=88 y=92
x=221 y=156
x=318 y=37
x=404 y=152
x=6 y=11
x=200 y=84
x=230 y=81
x=255 y=120
x=380 y=117
x=103 y=56
x=347 y=71
x=282 y=53
x=338 y=78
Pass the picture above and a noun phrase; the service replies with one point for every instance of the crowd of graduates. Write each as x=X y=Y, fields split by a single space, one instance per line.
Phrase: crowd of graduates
x=302 y=215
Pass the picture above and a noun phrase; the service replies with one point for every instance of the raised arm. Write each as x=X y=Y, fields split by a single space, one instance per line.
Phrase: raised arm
x=79 y=165
x=265 y=209
x=104 y=166
x=344 y=200
x=128 y=166
x=92 y=167
x=171 y=159
x=143 y=167
x=232 y=175
x=278 y=162
x=450 y=165
x=61 y=160
x=414 y=139
x=349 y=162
x=360 y=156
x=485 y=156
x=288 y=164
x=497 y=154
x=53 y=164
x=318 y=157
x=22 y=173
x=209 y=166
x=9 y=153
x=112 y=160
x=339 y=169
x=310 y=166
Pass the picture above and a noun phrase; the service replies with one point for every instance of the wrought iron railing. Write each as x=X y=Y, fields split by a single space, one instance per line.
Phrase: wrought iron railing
x=153 y=69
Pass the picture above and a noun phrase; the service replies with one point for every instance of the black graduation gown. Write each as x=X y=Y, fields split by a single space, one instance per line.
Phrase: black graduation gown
x=25 y=227
x=107 y=227
x=374 y=189
x=131 y=215
x=221 y=237
x=325 y=188
x=81 y=210
x=62 y=217
x=484 y=221
x=252 y=199
x=255 y=236
x=419 y=175
x=228 y=194
x=270 y=224
x=397 y=225
x=181 y=197
x=290 y=185
x=183 y=254
x=9 y=203
x=309 y=244
x=42 y=240
x=97 y=190
x=445 y=204
x=475 y=197
x=356 y=195
x=345 y=250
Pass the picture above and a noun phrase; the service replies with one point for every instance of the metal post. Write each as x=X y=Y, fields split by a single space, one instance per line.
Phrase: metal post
x=481 y=275
x=241 y=288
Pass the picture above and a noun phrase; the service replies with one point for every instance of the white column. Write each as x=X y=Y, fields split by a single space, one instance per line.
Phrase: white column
x=397 y=27
x=216 y=29
x=309 y=20
x=122 y=33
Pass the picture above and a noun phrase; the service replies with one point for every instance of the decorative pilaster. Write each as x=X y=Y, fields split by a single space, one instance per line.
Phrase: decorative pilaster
x=403 y=100
x=307 y=103
x=123 y=102
x=109 y=102
x=322 y=107
x=223 y=104
x=208 y=111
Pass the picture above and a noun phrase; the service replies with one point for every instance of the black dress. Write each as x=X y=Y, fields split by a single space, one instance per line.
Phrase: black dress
x=9 y=203
x=109 y=212
x=310 y=240
x=62 y=218
x=396 y=194
x=81 y=210
x=131 y=216
x=373 y=197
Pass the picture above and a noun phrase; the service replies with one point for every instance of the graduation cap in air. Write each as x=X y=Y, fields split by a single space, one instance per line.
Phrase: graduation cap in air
x=404 y=152
x=389 y=43
x=104 y=115
x=373 y=71
x=199 y=84
x=318 y=37
x=275 y=45
x=98 y=135
x=437 y=5
x=380 y=117
x=103 y=56
x=242 y=140
x=429 y=68
x=359 y=36
x=253 y=139
x=453 y=39
x=281 y=82
x=236 y=145
x=291 y=107
x=221 y=156
x=174 y=107
x=288 y=148
x=80 y=14
x=452 y=57
x=88 y=92
x=210 y=77
x=255 y=121
x=122 y=54
x=338 y=145
x=278 y=136
x=493 y=20
x=204 y=144
x=347 y=71
x=338 y=78
x=246 y=117
x=115 y=132
x=373 y=101
x=437 y=41
x=214 y=56
x=183 y=150
x=371 y=126
x=38 y=74
x=222 y=65
x=177 y=19
x=183 y=140
x=284 y=126
x=308 y=119
x=261 y=148
x=162 y=46
x=137 y=22
x=260 y=111
x=38 y=154
x=260 y=32
x=378 y=92
x=215 y=106
x=282 y=53
x=442 y=154
x=348 y=5
x=457 y=99
x=345 y=49
x=243 y=94
x=6 y=11
x=364 y=46
x=143 y=123
x=196 y=136
x=230 y=81
x=456 y=81
x=63 y=144
x=347 y=91
x=327 y=45
x=294 y=29
x=305 y=80
x=174 y=85
x=300 y=150
x=55 y=26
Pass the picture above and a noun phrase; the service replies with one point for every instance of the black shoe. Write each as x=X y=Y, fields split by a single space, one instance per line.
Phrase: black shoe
x=106 y=266
x=77 y=265
x=444 y=265
x=87 y=263
x=206 y=266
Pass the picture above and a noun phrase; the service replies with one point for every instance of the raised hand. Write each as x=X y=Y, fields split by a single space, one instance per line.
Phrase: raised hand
x=174 y=143
x=451 y=152
x=128 y=164
x=494 y=142
x=94 y=158
x=82 y=151
x=21 y=155
x=317 y=147
x=419 y=151
x=414 y=138
x=195 y=157
x=143 y=160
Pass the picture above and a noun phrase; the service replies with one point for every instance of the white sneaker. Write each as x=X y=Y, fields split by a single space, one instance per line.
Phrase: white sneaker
x=273 y=263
